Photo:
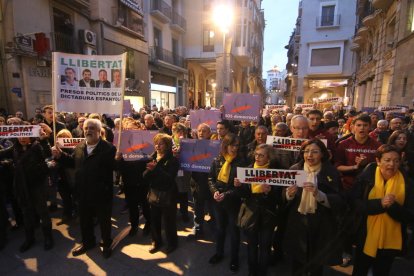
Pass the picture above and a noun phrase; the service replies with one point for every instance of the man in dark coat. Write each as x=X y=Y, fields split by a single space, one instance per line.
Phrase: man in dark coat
x=93 y=160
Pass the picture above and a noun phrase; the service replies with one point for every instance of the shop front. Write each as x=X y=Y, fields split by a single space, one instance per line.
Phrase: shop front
x=163 y=96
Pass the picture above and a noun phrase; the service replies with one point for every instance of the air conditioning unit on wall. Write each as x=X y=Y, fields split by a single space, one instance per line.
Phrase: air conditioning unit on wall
x=89 y=50
x=87 y=37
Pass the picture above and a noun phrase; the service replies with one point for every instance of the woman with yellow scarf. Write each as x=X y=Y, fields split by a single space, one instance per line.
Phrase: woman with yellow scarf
x=312 y=238
x=226 y=198
x=264 y=200
x=384 y=198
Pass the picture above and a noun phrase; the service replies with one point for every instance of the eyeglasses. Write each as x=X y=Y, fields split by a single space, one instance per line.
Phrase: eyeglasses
x=307 y=152
x=260 y=155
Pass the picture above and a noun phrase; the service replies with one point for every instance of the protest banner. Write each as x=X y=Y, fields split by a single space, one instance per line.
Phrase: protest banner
x=277 y=107
x=368 y=110
x=331 y=100
x=287 y=143
x=197 y=155
x=305 y=106
x=136 y=144
x=209 y=117
x=271 y=176
x=241 y=107
x=19 y=131
x=90 y=84
x=397 y=109
x=69 y=143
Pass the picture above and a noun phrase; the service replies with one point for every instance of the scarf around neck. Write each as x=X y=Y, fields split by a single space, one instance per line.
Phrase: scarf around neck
x=383 y=232
x=308 y=203
x=224 y=173
x=256 y=187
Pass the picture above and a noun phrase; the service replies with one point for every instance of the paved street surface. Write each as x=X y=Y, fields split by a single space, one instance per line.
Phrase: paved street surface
x=130 y=256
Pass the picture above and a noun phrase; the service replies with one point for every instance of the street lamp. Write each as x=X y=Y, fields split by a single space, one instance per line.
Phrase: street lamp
x=223 y=18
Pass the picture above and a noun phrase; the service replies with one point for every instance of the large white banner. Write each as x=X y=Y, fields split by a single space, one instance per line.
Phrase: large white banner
x=271 y=176
x=90 y=84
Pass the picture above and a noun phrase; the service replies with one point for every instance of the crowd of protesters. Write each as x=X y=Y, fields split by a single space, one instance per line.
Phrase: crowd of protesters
x=356 y=205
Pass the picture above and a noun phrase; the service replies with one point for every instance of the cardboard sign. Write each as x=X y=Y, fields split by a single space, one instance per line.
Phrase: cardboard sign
x=197 y=155
x=330 y=100
x=241 y=107
x=288 y=143
x=69 y=143
x=209 y=117
x=136 y=144
x=271 y=176
x=19 y=131
x=397 y=109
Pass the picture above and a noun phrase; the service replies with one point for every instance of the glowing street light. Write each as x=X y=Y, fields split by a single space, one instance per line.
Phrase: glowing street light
x=223 y=19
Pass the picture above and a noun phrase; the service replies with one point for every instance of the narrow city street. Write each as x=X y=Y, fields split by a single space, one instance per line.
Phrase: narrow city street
x=130 y=256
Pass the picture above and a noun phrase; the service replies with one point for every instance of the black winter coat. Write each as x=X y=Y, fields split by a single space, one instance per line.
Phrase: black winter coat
x=30 y=169
x=315 y=238
x=365 y=207
x=93 y=172
x=267 y=205
x=162 y=178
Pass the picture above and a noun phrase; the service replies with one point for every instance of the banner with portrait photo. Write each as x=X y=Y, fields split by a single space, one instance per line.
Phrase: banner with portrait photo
x=209 y=117
x=242 y=107
x=271 y=176
x=88 y=84
x=197 y=155
x=136 y=144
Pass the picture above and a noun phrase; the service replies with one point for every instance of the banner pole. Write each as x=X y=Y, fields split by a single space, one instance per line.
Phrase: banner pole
x=54 y=73
x=124 y=57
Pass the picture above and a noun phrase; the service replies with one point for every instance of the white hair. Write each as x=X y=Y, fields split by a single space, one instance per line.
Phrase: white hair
x=382 y=122
x=94 y=122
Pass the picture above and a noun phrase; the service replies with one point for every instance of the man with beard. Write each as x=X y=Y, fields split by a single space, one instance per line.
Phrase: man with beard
x=93 y=160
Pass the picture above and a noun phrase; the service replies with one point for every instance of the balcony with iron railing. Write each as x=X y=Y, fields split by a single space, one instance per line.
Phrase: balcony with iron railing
x=178 y=22
x=161 y=10
x=62 y=42
x=331 y=21
x=160 y=54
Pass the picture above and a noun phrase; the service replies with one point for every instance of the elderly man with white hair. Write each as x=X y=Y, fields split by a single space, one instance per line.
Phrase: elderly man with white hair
x=93 y=160
x=381 y=133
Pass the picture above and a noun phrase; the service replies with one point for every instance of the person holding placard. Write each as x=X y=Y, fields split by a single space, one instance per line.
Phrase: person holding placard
x=93 y=160
x=160 y=174
x=200 y=189
x=30 y=185
x=227 y=200
x=263 y=200
x=311 y=237
x=183 y=178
